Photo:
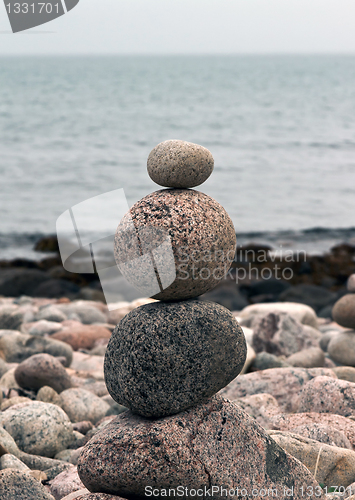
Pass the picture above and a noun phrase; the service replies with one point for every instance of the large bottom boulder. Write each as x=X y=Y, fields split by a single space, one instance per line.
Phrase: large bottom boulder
x=198 y=451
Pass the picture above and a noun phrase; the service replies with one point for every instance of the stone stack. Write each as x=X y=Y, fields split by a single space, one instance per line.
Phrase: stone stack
x=167 y=360
x=344 y=309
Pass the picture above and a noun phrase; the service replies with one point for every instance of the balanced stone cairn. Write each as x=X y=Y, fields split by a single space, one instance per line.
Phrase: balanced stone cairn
x=167 y=359
x=344 y=309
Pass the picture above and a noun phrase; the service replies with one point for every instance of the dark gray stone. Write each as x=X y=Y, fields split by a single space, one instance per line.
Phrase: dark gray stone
x=312 y=295
x=165 y=357
x=179 y=164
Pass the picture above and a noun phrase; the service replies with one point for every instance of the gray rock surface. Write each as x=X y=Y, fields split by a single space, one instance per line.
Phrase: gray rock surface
x=344 y=311
x=17 y=346
x=165 y=357
x=19 y=485
x=215 y=443
x=65 y=483
x=51 y=313
x=9 y=461
x=40 y=370
x=341 y=348
x=300 y=312
x=80 y=405
x=328 y=395
x=179 y=164
x=280 y=333
x=307 y=358
x=11 y=317
x=38 y=428
x=351 y=284
x=285 y=384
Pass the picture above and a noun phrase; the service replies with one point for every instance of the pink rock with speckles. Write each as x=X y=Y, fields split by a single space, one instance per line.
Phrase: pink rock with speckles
x=179 y=241
x=216 y=443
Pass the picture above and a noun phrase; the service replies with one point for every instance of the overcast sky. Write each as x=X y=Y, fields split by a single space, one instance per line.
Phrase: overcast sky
x=190 y=26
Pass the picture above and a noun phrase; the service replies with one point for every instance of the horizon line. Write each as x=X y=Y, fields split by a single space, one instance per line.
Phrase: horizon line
x=176 y=54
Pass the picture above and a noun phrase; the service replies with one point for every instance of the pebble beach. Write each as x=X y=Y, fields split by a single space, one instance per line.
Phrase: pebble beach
x=209 y=391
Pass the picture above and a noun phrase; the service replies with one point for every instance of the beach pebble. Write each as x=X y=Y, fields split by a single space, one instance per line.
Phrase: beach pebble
x=351 y=284
x=264 y=361
x=345 y=372
x=51 y=313
x=3 y=367
x=307 y=358
x=179 y=164
x=9 y=461
x=38 y=428
x=324 y=434
x=199 y=344
x=280 y=334
x=40 y=370
x=344 y=311
x=200 y=445
x=284 y=384
x=80 y=405
x=18 y=346
x=7 y=403
x=328 y=395
x=7 y=381
x=84 y=426
x=87 y=313
x=326 y=338
x=47 y=394
x=335 y=465
x=260 y=407
x=341 y=348
x=289 y=422
x=86 y=495
x=300 y=312
x=15 y=484
x=191 y=237
x=43 y=327
x=65 y=483
x=10 y=317
x=87 y=362
x=82 y=337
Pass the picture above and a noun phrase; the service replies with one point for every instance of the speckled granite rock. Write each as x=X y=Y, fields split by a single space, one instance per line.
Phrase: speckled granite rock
x=215 y=443
x=285 y=384
x=351 y=284
x=336 y=466
x=324 y=434
x=165 y=357
x=80 y=405
x=93 y=496
x=279 y=333
x=38 y=428
x=289 y=422
x=300 y=312
x=179 y=164
x=191 y=237
x=65 y=483
x=40 y=370
x=16 y=485
x=328 y=395
x=344 y=311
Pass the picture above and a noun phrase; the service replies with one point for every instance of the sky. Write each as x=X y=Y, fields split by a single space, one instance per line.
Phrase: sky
x=189 y=27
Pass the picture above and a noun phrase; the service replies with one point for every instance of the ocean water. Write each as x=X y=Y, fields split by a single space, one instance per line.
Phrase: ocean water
x=281 y=130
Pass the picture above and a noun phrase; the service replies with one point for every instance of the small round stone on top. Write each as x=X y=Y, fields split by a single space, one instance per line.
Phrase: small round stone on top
x=179 y=164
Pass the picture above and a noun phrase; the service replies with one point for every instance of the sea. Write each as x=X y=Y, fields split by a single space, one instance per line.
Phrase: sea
x=281 y=129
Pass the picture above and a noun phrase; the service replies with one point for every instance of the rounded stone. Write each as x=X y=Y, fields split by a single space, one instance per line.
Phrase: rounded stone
x=351 y=283
x=16 y=484
x=42 y=370
x=344 y=311
x=175 y=244
x=38 y=428
x=179 y=164
x=165 y=357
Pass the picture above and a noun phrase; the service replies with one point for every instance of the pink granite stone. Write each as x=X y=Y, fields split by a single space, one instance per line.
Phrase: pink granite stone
x=288 y=422
x=175 y=244
x=328 y=395
x=213 y=444
x=284 y=384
